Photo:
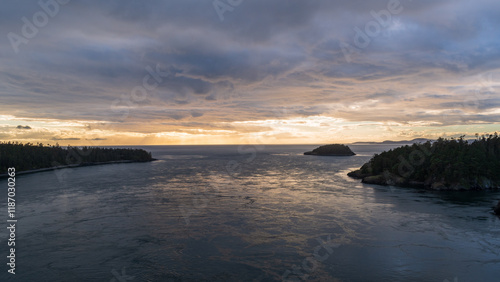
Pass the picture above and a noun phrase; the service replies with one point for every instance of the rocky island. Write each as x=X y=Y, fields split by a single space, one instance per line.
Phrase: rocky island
x=331 y=150
x=445 y=164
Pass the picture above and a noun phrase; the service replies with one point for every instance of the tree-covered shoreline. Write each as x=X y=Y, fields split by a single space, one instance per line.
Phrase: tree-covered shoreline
x=29 y=156
x=445 y=164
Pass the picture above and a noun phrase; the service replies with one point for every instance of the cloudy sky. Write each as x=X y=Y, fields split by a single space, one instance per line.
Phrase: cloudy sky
x=247 y=71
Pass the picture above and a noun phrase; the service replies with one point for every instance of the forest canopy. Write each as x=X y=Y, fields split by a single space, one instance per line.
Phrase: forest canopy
x=441 y=164
x=31 y=156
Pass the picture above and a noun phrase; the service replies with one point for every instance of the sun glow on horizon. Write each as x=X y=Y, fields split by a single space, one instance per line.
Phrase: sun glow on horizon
x=296 y=130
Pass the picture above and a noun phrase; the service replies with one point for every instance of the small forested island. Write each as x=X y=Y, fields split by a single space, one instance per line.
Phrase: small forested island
x=445 y=164
x=331 y=150
x=31 y=157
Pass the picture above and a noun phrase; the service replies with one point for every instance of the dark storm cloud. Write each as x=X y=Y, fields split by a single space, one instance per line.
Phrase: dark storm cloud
x=92 y=53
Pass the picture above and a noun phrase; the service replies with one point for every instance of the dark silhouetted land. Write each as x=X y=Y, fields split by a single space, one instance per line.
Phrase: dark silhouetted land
x=445 y=164
x=331 y=150
x=37 y=157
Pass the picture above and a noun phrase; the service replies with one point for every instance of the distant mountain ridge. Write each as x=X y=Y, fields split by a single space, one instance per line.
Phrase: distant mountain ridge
x=390 y=142
x=403 y=142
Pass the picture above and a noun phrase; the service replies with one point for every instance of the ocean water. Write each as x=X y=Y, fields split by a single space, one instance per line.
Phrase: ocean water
x=245 y=213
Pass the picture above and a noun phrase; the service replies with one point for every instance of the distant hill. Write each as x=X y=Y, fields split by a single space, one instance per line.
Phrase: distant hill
x=444 y=164
x=390 y=142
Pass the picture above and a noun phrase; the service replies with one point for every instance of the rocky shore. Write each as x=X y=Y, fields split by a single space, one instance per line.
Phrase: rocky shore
x=387 y=178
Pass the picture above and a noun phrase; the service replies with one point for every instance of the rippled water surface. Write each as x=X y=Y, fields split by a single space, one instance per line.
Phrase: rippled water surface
x=230 y=213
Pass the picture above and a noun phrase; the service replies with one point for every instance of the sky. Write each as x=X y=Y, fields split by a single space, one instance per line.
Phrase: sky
x=247 y=71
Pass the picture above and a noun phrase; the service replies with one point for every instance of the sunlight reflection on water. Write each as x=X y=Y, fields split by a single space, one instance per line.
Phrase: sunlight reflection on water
x=186 y=217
